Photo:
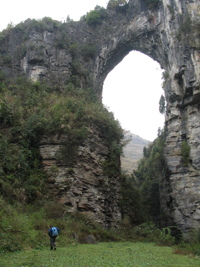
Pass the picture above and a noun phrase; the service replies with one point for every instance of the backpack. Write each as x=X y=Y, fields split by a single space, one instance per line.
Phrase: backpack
x=54 y=231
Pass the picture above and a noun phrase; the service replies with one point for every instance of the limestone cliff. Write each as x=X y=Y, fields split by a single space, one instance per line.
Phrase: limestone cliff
x=83 y=186
x=84 y=53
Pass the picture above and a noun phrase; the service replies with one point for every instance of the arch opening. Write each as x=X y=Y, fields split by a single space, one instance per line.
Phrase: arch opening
x=132 y=92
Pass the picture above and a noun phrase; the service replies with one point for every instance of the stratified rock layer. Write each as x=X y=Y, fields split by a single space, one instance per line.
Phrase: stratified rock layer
x=83 y=186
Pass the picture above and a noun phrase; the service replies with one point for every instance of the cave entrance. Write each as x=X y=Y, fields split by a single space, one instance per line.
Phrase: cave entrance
x=132 y=92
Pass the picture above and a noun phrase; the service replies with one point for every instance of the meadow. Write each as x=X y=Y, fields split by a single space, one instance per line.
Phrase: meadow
x=110 y=254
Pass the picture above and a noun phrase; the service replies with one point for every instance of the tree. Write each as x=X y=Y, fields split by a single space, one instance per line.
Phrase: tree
x=162 y=105
x=151 y=170
x=96 y=16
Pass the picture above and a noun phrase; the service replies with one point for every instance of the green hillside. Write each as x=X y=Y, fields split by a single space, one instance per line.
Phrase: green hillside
x=132 y=152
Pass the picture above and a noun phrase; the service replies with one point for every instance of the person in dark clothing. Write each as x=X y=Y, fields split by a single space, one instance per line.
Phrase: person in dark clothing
x=53 y=232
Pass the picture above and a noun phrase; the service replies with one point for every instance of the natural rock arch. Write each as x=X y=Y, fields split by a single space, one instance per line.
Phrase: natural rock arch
x=168 y=33
x=140 y=32
x=160 y=33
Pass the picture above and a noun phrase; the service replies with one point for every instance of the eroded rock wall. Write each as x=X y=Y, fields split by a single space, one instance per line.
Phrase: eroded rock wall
x=83 y=185
x=182 y=92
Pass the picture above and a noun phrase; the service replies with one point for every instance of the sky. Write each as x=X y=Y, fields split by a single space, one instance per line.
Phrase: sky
x=131 y=91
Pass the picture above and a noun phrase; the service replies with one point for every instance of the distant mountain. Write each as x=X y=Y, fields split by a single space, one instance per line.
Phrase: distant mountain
x=133 y=151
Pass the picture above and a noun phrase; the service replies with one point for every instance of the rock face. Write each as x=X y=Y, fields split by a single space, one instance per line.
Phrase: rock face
x=83 y=186
x=83 y=53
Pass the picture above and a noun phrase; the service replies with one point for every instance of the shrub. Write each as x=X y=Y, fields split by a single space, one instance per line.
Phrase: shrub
x=54 y=210
x=166 y=238
x=93 y=18
x=78 y=69
x=88 y=51
x=131 y=202
x=40 y=25
x=150 y=171
x=6 y=114
x=96 y=17
x=7 y=60
x=185 y=153
x=74 y=49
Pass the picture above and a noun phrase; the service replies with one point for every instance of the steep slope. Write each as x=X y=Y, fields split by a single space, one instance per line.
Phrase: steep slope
x=132 y=152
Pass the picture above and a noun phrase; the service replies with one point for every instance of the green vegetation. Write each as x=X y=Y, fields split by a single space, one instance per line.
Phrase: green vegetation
x=111 y=166
x=96 y=16
x=148 y=175
x=23 y=30
x=46 y=23
x=62 y=40
x=162 y=105
x=24 y=227
x=131 y=203
x=29 y=111
x=88 y=51
x=28 y=26
x=185 y=153
x=6 y=60
x=102 y=255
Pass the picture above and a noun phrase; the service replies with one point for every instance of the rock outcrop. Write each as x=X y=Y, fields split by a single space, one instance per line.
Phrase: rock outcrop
x=84 y=53
x=83 y=186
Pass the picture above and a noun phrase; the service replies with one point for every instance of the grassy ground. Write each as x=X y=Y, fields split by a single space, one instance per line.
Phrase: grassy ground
x=120 y=254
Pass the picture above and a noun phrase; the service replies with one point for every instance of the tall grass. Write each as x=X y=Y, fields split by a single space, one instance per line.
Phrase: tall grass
x=25 y=227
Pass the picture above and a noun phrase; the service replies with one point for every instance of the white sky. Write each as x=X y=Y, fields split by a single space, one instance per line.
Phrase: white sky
x=131 y=91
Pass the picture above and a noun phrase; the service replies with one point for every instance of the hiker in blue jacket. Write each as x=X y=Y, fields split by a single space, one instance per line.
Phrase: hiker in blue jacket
x=53 y=232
